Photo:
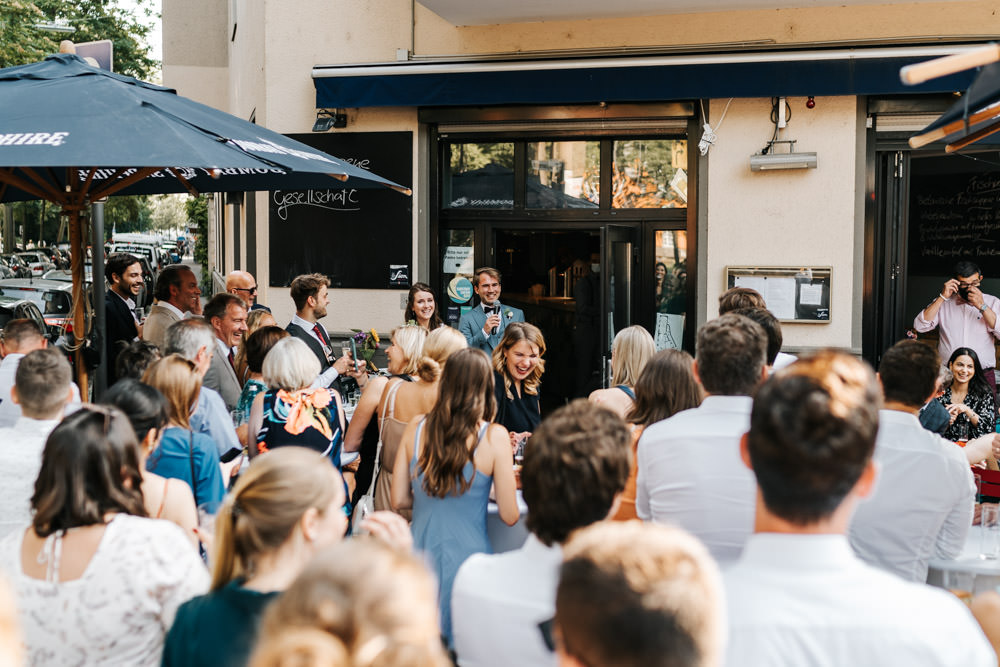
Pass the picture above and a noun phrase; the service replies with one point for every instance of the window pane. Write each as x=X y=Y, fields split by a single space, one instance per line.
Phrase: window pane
x=563 y=174
x=479 y=176
x=457 y=252
x=649 y=173
x=671 y=272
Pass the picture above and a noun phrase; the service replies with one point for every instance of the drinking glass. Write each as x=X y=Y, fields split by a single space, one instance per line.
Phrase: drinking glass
x=989 y=532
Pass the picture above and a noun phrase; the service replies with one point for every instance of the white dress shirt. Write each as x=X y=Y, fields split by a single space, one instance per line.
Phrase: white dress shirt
x=10 y=411
x=20 y=460
x=497 y=603
x=690 y=474
x=923 y=500
x=807 y=601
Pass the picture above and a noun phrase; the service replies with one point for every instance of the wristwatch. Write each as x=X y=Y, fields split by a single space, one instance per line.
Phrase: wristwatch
x=982 y=308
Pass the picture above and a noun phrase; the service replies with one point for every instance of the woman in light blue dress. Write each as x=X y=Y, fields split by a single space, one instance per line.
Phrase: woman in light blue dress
x=447 y=462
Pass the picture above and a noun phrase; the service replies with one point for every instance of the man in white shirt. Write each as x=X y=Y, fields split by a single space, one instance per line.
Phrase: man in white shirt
x=638 y=595
x=42 y=389
x=575 y=467
x=310 y=294
x=227 y=313
x=798 y=595
x=20 y=337
x=194 y=340
x=177 y=294
x=689 y=468
x=923 y=503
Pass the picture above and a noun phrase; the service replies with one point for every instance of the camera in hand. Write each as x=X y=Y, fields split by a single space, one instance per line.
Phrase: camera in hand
x=963 y=292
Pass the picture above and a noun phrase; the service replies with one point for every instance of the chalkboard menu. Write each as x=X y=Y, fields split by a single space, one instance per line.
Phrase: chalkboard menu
x=953 y=215
x=359 y=238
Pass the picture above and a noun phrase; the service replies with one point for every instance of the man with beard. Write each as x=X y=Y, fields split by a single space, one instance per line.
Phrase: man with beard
x=309 y=292
x=124 y=274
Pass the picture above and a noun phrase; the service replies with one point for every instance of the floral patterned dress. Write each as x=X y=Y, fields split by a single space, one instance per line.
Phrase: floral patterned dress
x=983 y=405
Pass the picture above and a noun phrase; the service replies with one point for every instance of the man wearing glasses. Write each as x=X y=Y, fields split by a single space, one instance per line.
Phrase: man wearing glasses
x=964 y=317
x=244 y=285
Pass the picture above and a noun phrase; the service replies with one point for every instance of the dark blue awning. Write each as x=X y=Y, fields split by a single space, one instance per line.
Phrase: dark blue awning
x=629 y=79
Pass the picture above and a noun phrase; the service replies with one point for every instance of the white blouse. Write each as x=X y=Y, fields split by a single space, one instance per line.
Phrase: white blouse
x=119 y=611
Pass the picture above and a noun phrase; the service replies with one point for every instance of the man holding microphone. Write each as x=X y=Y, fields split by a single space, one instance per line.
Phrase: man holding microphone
x=964 y=317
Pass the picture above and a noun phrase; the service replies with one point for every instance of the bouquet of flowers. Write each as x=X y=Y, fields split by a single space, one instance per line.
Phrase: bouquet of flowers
x=367 y=343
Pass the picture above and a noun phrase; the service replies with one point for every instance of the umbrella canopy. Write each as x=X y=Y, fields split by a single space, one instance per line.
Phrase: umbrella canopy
x=971 y=118
x=62 y=120
x=73 y=134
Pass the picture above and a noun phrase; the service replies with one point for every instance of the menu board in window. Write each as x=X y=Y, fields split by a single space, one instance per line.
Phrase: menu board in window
x=359 y=238
x=792 y=294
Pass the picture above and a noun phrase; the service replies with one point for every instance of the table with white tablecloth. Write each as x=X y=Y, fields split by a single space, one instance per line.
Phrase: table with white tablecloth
x=986 y=571
x=504 y=537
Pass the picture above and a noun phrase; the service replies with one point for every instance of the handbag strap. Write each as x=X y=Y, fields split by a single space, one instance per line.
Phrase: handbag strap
x=391 y=398
x=194 y=478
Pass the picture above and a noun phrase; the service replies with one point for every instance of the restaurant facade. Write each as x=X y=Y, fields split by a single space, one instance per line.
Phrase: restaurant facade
x=657 y=152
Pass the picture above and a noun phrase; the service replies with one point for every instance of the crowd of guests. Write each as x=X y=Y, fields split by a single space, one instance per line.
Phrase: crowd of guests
x=741 y=507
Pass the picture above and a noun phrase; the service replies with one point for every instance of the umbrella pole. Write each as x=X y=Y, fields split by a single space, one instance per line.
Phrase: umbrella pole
x=77 y=250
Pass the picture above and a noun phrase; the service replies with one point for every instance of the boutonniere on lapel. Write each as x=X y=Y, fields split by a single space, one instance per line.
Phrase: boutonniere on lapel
x=509 y=314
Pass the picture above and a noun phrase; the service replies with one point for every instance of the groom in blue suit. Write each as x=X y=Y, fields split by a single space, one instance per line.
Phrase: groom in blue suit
x=477 y=325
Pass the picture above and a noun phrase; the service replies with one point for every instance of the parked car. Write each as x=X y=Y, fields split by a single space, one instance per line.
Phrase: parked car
x=17 y=265
x=54 y=298
x=13 y=308
x=38 y=262
x=171 y=252
x=5 y=271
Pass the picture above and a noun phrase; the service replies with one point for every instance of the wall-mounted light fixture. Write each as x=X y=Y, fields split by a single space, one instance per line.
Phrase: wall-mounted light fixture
x=767 y=159
x=325 y=119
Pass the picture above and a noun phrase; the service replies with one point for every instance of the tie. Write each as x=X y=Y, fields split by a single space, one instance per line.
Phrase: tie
x=232 y=360
x=318 y=330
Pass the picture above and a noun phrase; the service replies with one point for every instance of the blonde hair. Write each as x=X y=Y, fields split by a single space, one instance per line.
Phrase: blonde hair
x=512 y=335
x=410 y=339
x=631 y=349
x=268 y=501
x=440 y=344
x=378 y=603
x=290 y=365
x=177 y=379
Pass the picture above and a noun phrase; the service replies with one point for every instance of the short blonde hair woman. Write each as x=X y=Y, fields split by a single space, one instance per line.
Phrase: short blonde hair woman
x=375 y=606
x=632 y=348
x=283 y=509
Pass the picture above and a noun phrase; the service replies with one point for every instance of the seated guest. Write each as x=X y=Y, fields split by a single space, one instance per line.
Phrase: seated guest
x=969 y=398
x=135 y=358
x=574 y=470
x=665 y=387
x=164 y=498
x=41 y=389
x=630 y=350
x=798 y=595
x=638 y=595
x=256 y=347
x=359 y=602
x=286 y=507
x=929 y=472
x=736 y=298
x=689 y=468
x=256 y=319
x=228 y=316
x=518 y=368
x=97 y=583
x=177 y=295
x=182 y=453
x=20 y=337
x=933 y=415
x=776 y=359
x=194 y=340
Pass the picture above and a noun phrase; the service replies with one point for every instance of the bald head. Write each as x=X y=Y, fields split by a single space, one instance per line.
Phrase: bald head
x=243 y=285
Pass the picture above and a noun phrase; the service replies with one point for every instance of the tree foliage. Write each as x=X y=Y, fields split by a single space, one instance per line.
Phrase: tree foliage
x=197 y=213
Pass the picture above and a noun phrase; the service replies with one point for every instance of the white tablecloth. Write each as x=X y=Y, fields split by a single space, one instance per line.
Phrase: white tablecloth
x=987 y=571
x=504 y=537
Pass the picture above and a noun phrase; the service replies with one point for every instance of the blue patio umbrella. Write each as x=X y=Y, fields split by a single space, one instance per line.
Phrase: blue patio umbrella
x=73 y=134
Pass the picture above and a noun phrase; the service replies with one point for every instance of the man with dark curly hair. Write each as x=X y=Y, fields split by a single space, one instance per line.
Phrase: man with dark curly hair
x=575 y=467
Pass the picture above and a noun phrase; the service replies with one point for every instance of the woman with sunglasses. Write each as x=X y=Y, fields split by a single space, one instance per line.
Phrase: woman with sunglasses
x=283 y=509
x=97 y=582
x=182 y=453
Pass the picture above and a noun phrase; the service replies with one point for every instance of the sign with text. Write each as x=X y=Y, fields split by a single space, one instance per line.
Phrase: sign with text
x=350 y=235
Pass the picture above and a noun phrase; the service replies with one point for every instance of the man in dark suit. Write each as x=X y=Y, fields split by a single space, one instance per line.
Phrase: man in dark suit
x=124 y=274
x=483 y=325
x=309 y=292
x=227 y=314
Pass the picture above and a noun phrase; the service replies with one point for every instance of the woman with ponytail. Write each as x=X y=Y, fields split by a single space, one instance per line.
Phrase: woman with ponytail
x=447 y=462
x=283 y=509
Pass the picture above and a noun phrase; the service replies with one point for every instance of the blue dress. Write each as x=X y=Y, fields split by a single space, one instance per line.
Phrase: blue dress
x=179 y=452
x=450 y=529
